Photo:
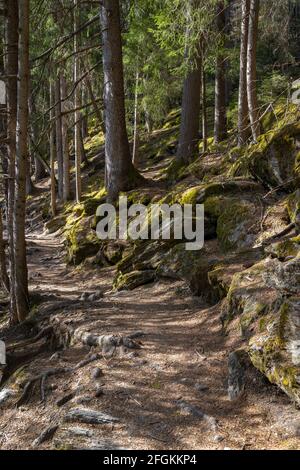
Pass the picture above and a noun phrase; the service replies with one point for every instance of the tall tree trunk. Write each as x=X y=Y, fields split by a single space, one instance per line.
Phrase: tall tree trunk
x=12 y=73
x=78 y=156
x=243 y=102
x=29 y=183
x=220 y=132
x=21 y=285
x=52 y=150
x=190 y=111
x=251 y=69
x=135 y=151
x=84 y=158
x=3 y=271
x=65 y=142
x=120 y=172
x=39 y=168
x=59 y=139
x=204 y=106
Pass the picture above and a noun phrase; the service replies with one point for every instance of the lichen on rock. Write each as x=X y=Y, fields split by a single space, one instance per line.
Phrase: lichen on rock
x=276 y=351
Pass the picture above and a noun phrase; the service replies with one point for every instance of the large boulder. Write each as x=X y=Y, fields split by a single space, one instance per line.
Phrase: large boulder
x=276 y=351
x=221 y=276
x=283 y=276
x=192 y=267
x=249 y=299
x=264 y=300
x=274 y=160
x=82 y=241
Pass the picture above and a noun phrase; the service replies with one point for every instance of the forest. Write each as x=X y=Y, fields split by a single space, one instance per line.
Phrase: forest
x=149 y=225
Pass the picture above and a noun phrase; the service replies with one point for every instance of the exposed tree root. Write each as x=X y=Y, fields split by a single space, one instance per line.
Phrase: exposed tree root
x=279 y=235
x=29 y=386
x=65 y=333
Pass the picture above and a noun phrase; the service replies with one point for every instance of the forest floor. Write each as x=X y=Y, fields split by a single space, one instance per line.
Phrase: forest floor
x=159 y=392
x=170 y=394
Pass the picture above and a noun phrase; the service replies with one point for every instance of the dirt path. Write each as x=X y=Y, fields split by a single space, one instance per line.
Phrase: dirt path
x=183 y=362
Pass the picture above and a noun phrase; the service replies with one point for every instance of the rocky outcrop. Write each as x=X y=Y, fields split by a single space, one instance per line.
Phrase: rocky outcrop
x=276 y=351
x=265 y=300
x=82 y=241
x=274 y=160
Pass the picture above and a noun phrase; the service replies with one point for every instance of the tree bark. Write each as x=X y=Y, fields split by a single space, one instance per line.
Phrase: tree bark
x=84 y=158
x=220 y=131
x=65 y=143
x=29 y=183
x=21 y=284
x=190 y=111
x=242 y=101
x=39 y=169
x=52 y=151
x=77 y=104
x=251 y=68
x=204 y=104
x=120 y=172
x=135 y=151
x=12 y=73
x=59 y=139
x=3 y=271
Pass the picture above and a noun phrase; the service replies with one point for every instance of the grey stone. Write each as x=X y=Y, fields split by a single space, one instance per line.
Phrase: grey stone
x=201 y=387
x=236 y=375
x=97 y=373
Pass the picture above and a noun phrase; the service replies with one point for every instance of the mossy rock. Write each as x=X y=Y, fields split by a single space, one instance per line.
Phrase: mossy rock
x=142 y=196
x=293 y=205
x=276 y=351
x=233 y=228
x=227 y=187
x=284 y=277
x=220 y=278
x=191 y=266
x=248 y=298
x=134 y=279
x=82 y=241
x=112 y=252
x=284 y=249
x=274 y=160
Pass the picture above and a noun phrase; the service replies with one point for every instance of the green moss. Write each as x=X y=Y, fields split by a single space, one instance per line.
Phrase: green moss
x=273 y=160
x=137 y=197
x=284 y=249
x=134 y=279
x=232 y=225
x=269 y=353
x=190 y=196
x=93 y=143
x=81 y=240
x=215 y=205
x=172 y=173
x=293 y=205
